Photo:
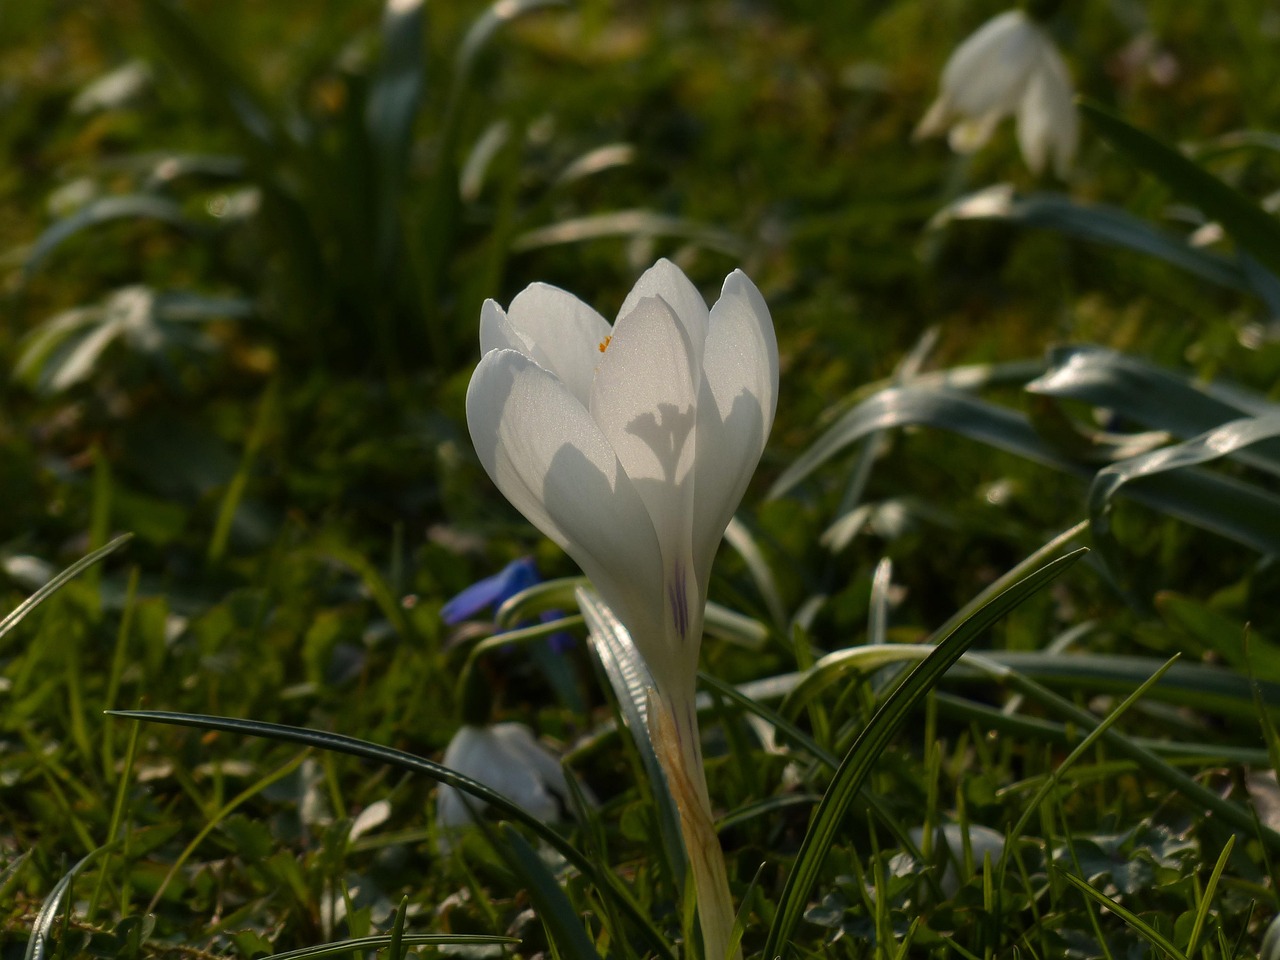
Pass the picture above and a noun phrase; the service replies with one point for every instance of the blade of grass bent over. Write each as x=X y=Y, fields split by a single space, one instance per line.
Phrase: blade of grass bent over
x=606 y=883
x=16 y=615
x=875 y=737
x=1250 y=226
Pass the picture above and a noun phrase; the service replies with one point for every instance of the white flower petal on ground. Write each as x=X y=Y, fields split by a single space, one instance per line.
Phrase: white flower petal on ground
x=1008 y=67
x=507 y=758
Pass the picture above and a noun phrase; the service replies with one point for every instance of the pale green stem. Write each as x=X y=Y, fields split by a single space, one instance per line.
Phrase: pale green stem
x=673 y=729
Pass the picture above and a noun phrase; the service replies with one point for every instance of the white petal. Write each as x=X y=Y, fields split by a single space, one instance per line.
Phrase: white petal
x=552 y=327
x=507 y=758
x=1047 y=121
x=664 y=279
x=644 y=399
x=735 y=410
x=989 y=71
x=496 y=333
x=936 y=119
x=550 y=459
x=520 y=744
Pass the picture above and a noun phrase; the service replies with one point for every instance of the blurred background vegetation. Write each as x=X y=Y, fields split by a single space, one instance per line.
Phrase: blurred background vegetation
x=243 y=249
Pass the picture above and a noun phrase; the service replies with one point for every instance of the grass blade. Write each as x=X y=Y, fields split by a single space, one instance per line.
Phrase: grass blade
x=1097 y=223
x=1252 y=516
x=562 y=922
x=875 y=737
x=1250 y=226
x=18 y=613
x=134 y=206
x=360 y=945
x=605 y=882
x=1144 y=929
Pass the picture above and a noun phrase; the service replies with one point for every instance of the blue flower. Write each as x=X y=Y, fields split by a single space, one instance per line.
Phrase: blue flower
x=492 y=592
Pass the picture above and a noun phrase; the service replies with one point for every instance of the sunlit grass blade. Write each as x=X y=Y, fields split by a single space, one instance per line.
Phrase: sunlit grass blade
x=629 y=224
x=1153 y=396
x=1206 y=898
x=1195 y=793
x=1064 y=735
x=605 y=882
x=18 y=613
x=875 y=737
x=1250 y=226
x=1097 y=223
x=134 y=206
x=359 y=945
x=1140 y=926
x=42 y=928
x=1032 y=808
x=951 y=410
x=1251 y=516
x=562 y=922
x=631 y=681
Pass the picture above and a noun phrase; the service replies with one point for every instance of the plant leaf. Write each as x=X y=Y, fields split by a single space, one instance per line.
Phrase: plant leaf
x=875 y=737
x=1251 y=227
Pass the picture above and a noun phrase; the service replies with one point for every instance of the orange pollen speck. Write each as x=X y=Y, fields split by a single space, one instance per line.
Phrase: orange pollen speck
x=604 y=344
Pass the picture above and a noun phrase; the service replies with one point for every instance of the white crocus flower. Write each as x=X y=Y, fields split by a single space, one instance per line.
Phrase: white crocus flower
x=630 y=447
x=508 y=758
x=1009 y=67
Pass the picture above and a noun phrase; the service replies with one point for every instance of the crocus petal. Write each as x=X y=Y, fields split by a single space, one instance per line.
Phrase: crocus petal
x=735 y=410
x=644 y=398
x=664 y=279
x=548 y=457
x=1047 y=121
x=552 y=327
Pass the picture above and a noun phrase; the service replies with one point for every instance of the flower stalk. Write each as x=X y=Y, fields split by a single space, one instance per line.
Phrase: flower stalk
x=673 y=730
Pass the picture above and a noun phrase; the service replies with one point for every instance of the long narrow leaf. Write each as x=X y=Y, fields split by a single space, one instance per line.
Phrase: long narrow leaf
x=951 y=410
x=1249 y=224
x=48 y=915
x=563 y=924
x=1148 y=932
x=359 y=945
x=133 y=206
x=631 y=681
x=875 y=737
x=16 y=615
x=1257 y=511
x=1094 y=222
x=605 y=882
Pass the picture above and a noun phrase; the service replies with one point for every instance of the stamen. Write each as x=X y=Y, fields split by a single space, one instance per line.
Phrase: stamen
x=604 y=344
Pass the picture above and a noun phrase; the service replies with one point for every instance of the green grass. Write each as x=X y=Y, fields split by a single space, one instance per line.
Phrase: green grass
x=240 y=314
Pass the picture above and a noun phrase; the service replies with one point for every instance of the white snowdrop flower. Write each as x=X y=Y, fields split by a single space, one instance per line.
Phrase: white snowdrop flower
x=1009 y=67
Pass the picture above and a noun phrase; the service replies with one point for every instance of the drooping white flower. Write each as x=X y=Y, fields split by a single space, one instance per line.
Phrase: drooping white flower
x=630 y=446
x=508 y=758
x=1009 y=67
